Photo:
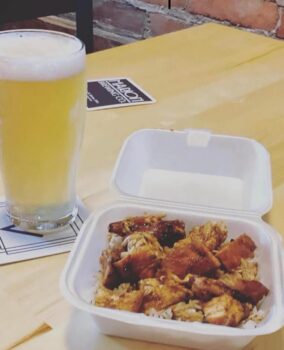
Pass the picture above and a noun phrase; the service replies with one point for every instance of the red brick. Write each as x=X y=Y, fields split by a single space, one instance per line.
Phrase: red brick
x=248 y=13
x=120 y=15
x=280 y=30
x=103 y=43
x=161 y=24
x=165 y=3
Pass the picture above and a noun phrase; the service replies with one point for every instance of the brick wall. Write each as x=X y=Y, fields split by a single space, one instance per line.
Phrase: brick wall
x=132 y=20
x=119 y=22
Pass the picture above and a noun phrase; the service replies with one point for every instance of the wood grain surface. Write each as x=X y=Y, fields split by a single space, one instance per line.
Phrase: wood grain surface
x=211 y=76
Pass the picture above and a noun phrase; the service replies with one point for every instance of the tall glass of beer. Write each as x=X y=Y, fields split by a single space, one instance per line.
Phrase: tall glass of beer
x=42 y=113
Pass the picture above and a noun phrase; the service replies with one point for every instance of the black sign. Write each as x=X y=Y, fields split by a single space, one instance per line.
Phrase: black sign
x=118 y=92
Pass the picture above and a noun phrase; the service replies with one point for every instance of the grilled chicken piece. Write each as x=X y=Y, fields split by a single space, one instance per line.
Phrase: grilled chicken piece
x=248 y=291
x=159 y=295
x=211 y=234
x=224 y=310
x=141 y=259
x=247 y=309
x=187 y=258
x=231 y=254
x=110 y=277
x=191 y=311
x=136 y=266
x=134 y=224
x=206 y=288
x=187 y=281
x=138 y=241
x=248 y=270
x=122 y=298
x=115 y=243
x=245 y=290
x=167 y=232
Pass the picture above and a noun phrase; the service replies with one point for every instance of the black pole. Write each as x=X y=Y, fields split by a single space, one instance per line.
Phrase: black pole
x=84 y=20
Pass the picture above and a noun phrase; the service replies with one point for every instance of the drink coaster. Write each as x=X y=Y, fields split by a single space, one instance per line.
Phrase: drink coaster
x=17 y=244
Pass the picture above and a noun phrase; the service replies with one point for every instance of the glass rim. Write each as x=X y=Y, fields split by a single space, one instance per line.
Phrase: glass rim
x=45 y=31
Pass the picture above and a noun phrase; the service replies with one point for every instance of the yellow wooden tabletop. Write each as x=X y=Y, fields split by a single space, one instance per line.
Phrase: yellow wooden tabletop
x=210 y=76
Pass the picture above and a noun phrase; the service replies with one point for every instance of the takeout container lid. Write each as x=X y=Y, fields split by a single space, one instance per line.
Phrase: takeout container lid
x=191 y=175
x=195 y=168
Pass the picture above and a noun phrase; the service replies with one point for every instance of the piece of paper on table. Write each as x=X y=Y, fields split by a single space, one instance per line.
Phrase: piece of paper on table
x=17 y=245
x=26 y=325
x=115 y=92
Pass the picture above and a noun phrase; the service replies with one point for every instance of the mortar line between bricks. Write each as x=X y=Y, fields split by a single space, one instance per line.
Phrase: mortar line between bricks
x=147 y=30
x=278 y=24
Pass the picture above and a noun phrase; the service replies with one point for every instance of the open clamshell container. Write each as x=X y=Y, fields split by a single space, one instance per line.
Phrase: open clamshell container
x=194 y=176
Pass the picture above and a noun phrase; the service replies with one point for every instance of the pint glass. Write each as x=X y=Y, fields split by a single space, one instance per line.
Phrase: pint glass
x=42 y=112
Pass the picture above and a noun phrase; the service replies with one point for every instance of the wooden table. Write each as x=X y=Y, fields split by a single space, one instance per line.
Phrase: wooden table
x=212 y=77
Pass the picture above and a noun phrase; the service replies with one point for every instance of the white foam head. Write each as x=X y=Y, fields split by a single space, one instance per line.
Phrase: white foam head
x=39 y=55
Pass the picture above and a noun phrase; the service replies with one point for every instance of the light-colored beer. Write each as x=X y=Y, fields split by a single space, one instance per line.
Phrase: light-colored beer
x=42 y=107
x=40 y=127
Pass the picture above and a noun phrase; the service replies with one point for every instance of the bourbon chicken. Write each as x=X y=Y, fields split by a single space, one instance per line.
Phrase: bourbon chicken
x=224 y=310
x=231 y=254
x=152 y=265
x=167 y=232
x=211 y=234
x=141 y=259
x=159 y=295
x=193 y=258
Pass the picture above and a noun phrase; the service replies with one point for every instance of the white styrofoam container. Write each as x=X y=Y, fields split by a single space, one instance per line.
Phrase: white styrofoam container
x=193 y=176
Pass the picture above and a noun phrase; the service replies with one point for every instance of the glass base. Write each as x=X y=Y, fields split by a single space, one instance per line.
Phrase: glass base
x=41 y=227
